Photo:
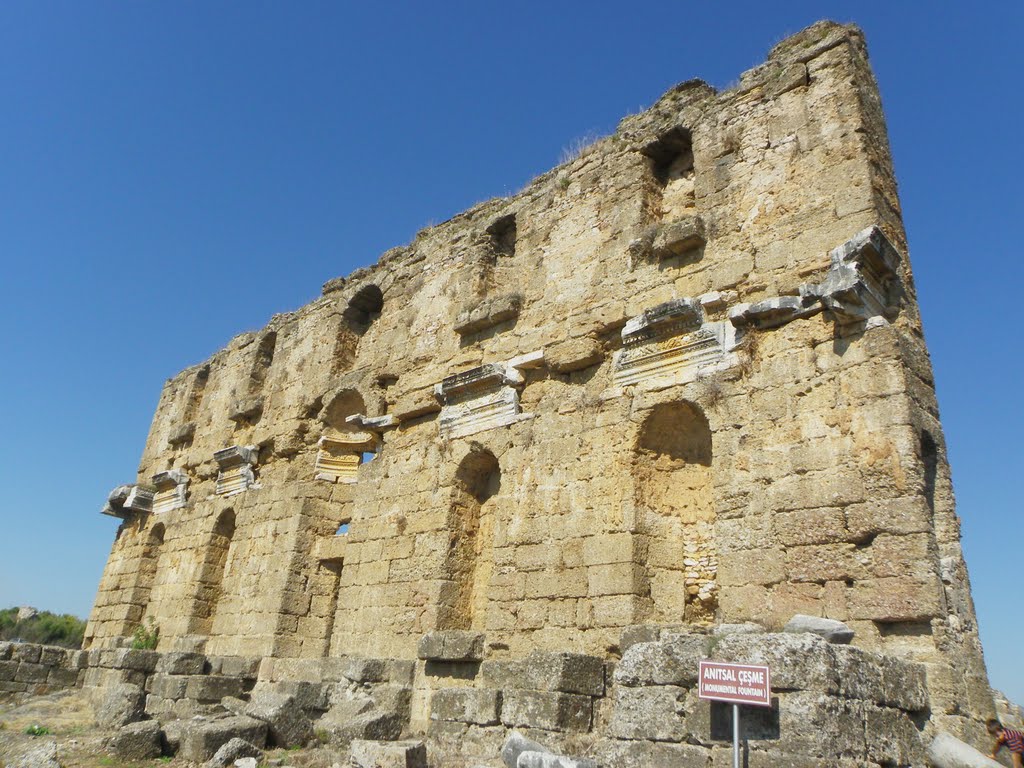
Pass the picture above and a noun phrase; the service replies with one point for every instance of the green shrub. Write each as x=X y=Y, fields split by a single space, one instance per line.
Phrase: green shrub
x=144 y=639
x=38 y=730
x=45 y=628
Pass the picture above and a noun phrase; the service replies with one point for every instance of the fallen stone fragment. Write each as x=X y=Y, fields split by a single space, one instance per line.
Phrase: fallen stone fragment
x=947 y=751
x=119 y=704
x=388 y=754
x=36 y=754
x=515 y=745
x=287 y=724
x=202 y=739
x=138 y=741
x=373 y=724
x=532 y=759
x=830 y=629
x=234 y=752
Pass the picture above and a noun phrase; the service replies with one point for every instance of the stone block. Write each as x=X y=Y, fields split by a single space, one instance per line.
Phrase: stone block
x=31 y=673
x=947 y=751
x=134 y=659
x=312 y=697
x=671 y=662
x=52 y=656
x=451 y=645
x=118 y=704
x=897 y=516
x=810 y=526
x=651 y=754
x=573 y=355
x=5 y=649
x=833 y=631
x=892 y=737
x=547 y=711
x=360 y=670
x=797 y=662
x=173 y=731
x=679 y=237
x=392 y=698
x=213 y=688
x=137 y=741
x=388 y=754
x=287 y=723
x=904 y=684
x=26 y=652
x=656 y=713
x=503 y=674
x=515 y=745
x=245 y=409
x=37 y=753
x=201 y=739
x=62 y=678
x=167 y=686
x=822 y=726
x=78 y=659
x=234 y=666
x=638 y=633
x=466 y=705
x=824 y=562
x=400 y=671
x=236 y=752
x=8 y=669
x=181 y=663
x=895 y=599
x=546 y=760
x=565 y=672
x=373 y=725
x=345 y=703
x=859 y=674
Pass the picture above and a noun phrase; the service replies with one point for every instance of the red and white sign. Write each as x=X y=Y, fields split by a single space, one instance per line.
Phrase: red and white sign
x=735 y=683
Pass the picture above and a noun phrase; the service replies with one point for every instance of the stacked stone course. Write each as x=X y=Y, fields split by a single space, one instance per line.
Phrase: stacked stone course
x=35 y=669
x=679 y=381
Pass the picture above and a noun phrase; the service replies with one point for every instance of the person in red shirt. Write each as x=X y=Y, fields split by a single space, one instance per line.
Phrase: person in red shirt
x=1009 y=738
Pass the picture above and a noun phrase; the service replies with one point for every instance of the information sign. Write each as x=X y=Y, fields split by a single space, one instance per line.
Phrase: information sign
x=735 y=683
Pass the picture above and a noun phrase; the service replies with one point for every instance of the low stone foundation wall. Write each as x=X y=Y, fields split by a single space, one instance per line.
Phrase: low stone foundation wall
x=834 y=705
x=38 y=669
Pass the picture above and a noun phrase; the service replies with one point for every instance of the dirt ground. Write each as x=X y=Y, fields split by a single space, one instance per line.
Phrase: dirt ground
x=68 y=737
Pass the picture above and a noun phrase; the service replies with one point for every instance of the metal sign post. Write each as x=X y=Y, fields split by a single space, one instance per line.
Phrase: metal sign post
x=736 y=684
x=735 y=736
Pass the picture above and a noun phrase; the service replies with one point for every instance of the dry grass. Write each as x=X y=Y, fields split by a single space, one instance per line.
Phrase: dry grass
x=579 y=147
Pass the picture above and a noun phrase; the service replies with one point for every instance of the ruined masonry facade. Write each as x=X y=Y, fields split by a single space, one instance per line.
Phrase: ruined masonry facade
x=679 y=380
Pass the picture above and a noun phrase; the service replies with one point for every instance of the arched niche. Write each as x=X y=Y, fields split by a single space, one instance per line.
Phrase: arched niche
x=359 y=313
x=470 y=558
x=343 y=446
x=148 y=569
x=263 y=358
x=671 y=165
x=673 y=467
x=364 y=307
x=216 y=561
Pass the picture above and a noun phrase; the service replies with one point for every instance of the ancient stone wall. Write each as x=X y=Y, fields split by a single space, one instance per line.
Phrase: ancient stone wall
x=680 y=379
x=36 y=669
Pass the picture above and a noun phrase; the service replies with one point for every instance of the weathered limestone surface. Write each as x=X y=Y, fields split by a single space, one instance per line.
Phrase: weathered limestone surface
x=678 y=382
x=138 y=741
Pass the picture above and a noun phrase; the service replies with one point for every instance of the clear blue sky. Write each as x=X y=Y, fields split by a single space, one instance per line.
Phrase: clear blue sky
x=174 y=173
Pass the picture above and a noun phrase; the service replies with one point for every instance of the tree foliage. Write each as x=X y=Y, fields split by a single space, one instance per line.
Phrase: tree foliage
x=45 y=628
